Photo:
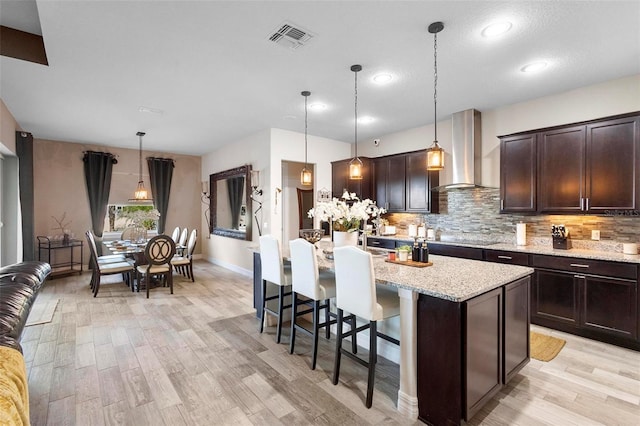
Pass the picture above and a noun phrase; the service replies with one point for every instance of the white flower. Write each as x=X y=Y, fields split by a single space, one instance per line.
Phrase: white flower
x=343 y=216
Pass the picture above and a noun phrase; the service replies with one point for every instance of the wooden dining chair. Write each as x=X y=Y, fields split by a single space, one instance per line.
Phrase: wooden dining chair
x=107 y=268
x=182 y=241
x=184 y=263
x=175 y=234
x=158 y=253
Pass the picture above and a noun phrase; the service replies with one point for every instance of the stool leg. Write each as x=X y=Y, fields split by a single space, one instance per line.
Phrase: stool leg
x=336 y=362
x=327 y=329
x=264 y=303
x=354 y=335
x=373 y=349
x=316 y=330
x=294 y=309
x=280 y=312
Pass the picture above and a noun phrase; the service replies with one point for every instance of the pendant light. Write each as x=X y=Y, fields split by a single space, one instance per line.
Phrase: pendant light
x=435 y=154
x=355 y=165
x=140 y=195
x=306 y=178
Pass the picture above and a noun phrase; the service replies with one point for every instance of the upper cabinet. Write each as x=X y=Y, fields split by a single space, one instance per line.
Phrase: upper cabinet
x=588 y=167
x=340 y=178
x=398 y=183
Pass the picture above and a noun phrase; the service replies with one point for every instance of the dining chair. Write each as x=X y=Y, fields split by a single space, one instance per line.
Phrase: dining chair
x=175 y=234
x=107 y=268
x=185 y=263
x=273 y=271
x=158 y=252
x=316 y=287
x=103 y=259
x=180 y=244
x=358 y=294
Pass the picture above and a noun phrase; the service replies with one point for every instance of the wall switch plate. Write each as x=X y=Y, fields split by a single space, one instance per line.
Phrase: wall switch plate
x=595 y=235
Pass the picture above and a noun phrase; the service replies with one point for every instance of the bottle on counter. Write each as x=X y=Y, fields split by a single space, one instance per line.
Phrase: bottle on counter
x=424 y=253
x=415 y=253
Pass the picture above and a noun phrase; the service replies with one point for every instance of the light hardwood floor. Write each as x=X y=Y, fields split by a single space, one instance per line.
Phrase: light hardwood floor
x=196 y=358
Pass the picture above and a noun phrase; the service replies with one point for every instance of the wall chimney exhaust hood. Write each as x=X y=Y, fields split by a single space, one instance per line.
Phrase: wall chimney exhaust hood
x=466 y=150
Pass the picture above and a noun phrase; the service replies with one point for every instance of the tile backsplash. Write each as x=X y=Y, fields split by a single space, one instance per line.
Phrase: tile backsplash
x=475 y=212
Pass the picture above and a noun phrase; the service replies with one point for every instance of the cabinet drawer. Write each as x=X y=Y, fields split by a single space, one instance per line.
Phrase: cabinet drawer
x=511 y=257
x=586 y=266
x=456 y=251
x=381 y=243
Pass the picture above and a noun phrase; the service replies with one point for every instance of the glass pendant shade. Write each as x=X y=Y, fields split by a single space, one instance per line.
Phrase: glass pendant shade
x=141 y=192
x=355 y=169
x=306 y=177
x=435 y=157
x=140 y=195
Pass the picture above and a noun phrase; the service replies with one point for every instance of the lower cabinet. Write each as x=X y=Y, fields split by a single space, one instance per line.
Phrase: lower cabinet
x=456 y=251
x=481 y=344
x=594 y=299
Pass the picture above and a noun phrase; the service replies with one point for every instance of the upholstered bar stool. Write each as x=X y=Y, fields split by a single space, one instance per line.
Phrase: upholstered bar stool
x=273 y=271
x=358 y=294
x=316 y=286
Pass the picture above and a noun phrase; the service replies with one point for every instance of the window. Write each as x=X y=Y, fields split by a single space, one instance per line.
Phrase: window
x=121 y=216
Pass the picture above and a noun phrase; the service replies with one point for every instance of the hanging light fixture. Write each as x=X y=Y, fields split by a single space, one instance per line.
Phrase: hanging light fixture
x=306 y=177
x=435 y=154
x=355 y=165
x=140 y=195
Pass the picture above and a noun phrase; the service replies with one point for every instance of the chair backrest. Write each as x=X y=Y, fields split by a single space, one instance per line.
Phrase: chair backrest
x=183 y=237
x=92 y=245
x=160 y=250
x=175 y=234
x=128 y=233
x=304 y=268
x=191 y=244
x=355 y=281
x=271 y=260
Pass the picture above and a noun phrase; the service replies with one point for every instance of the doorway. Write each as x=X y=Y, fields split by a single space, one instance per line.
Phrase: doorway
x=296 y=201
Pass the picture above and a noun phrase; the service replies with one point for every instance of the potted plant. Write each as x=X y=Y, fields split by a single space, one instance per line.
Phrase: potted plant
x=403 y=253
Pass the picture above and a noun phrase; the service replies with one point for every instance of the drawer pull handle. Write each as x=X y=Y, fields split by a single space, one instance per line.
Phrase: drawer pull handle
x=578 y=265
x=505 y=257
x=374 y=243
x=580 y=277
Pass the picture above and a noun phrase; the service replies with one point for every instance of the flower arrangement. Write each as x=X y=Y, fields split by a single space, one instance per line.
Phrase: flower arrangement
x=346 y=214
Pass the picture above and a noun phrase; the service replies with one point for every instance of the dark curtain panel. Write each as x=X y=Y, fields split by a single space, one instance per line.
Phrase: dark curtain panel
x=160 y=175
x=24 y=152
x=235 y=188
x=97 y=173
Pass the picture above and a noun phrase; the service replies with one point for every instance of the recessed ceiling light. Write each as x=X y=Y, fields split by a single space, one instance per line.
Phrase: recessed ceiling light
x=316 y=106
x=366 y=120
x=382 y=78
x=150 y=110
x=534 y=67
x=496 y=29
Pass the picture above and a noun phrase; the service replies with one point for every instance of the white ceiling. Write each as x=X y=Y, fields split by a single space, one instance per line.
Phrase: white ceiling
x=208 y=65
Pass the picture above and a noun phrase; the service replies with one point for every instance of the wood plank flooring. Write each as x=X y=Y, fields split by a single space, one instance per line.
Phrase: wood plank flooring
x=196 y=358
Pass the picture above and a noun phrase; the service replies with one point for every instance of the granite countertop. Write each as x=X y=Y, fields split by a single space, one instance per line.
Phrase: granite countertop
x=545 y=249
x=448 y=278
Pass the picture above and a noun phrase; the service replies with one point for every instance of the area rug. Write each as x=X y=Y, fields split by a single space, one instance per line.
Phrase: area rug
x=545 y=348
x=42 y=312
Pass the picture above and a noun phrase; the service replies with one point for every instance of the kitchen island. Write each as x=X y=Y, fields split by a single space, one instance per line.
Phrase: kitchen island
x=452 y=319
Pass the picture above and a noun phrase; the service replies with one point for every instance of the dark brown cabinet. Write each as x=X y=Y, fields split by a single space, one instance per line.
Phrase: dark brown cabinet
x=594 y=299
x=389 y=182
x=456 y=251
x=482 y=343
x=420 y=198
x=340 y=179
x=518 y=173
x=590 y=167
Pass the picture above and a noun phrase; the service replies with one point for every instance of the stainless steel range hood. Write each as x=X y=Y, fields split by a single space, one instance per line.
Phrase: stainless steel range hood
x=466 y=150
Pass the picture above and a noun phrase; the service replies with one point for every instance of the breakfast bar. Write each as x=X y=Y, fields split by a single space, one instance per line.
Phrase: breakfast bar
x=460 y=321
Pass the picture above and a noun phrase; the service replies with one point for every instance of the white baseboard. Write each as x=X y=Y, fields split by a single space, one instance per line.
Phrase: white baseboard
x=232 y=267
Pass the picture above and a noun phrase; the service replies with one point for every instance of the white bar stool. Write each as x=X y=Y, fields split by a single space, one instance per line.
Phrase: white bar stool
x=273 y=271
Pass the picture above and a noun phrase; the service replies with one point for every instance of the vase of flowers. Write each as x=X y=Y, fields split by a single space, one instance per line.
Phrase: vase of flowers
x=345 y=215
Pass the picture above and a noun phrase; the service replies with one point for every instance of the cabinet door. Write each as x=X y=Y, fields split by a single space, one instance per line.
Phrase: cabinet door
x=483 y=352
x=516 y=327
x=419 y=184
x=518 y=173
x=609 y=306
x=340 y=179
x=561 y=170
x=555 y=297
x=613 y=165
x=389 y=182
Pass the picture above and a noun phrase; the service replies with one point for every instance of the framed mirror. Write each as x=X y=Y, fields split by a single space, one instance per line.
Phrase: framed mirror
x=231 y=203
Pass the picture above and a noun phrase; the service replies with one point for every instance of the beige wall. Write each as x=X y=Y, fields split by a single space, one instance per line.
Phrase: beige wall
x=8 y=127
x=59 y=186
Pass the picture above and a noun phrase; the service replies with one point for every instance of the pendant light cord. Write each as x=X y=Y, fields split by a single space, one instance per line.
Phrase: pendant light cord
x=140 y=160
x=356 y=112
x=305 y=130
x=435 y=86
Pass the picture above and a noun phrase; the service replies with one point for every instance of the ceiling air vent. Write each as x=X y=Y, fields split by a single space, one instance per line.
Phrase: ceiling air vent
x=290 y=36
